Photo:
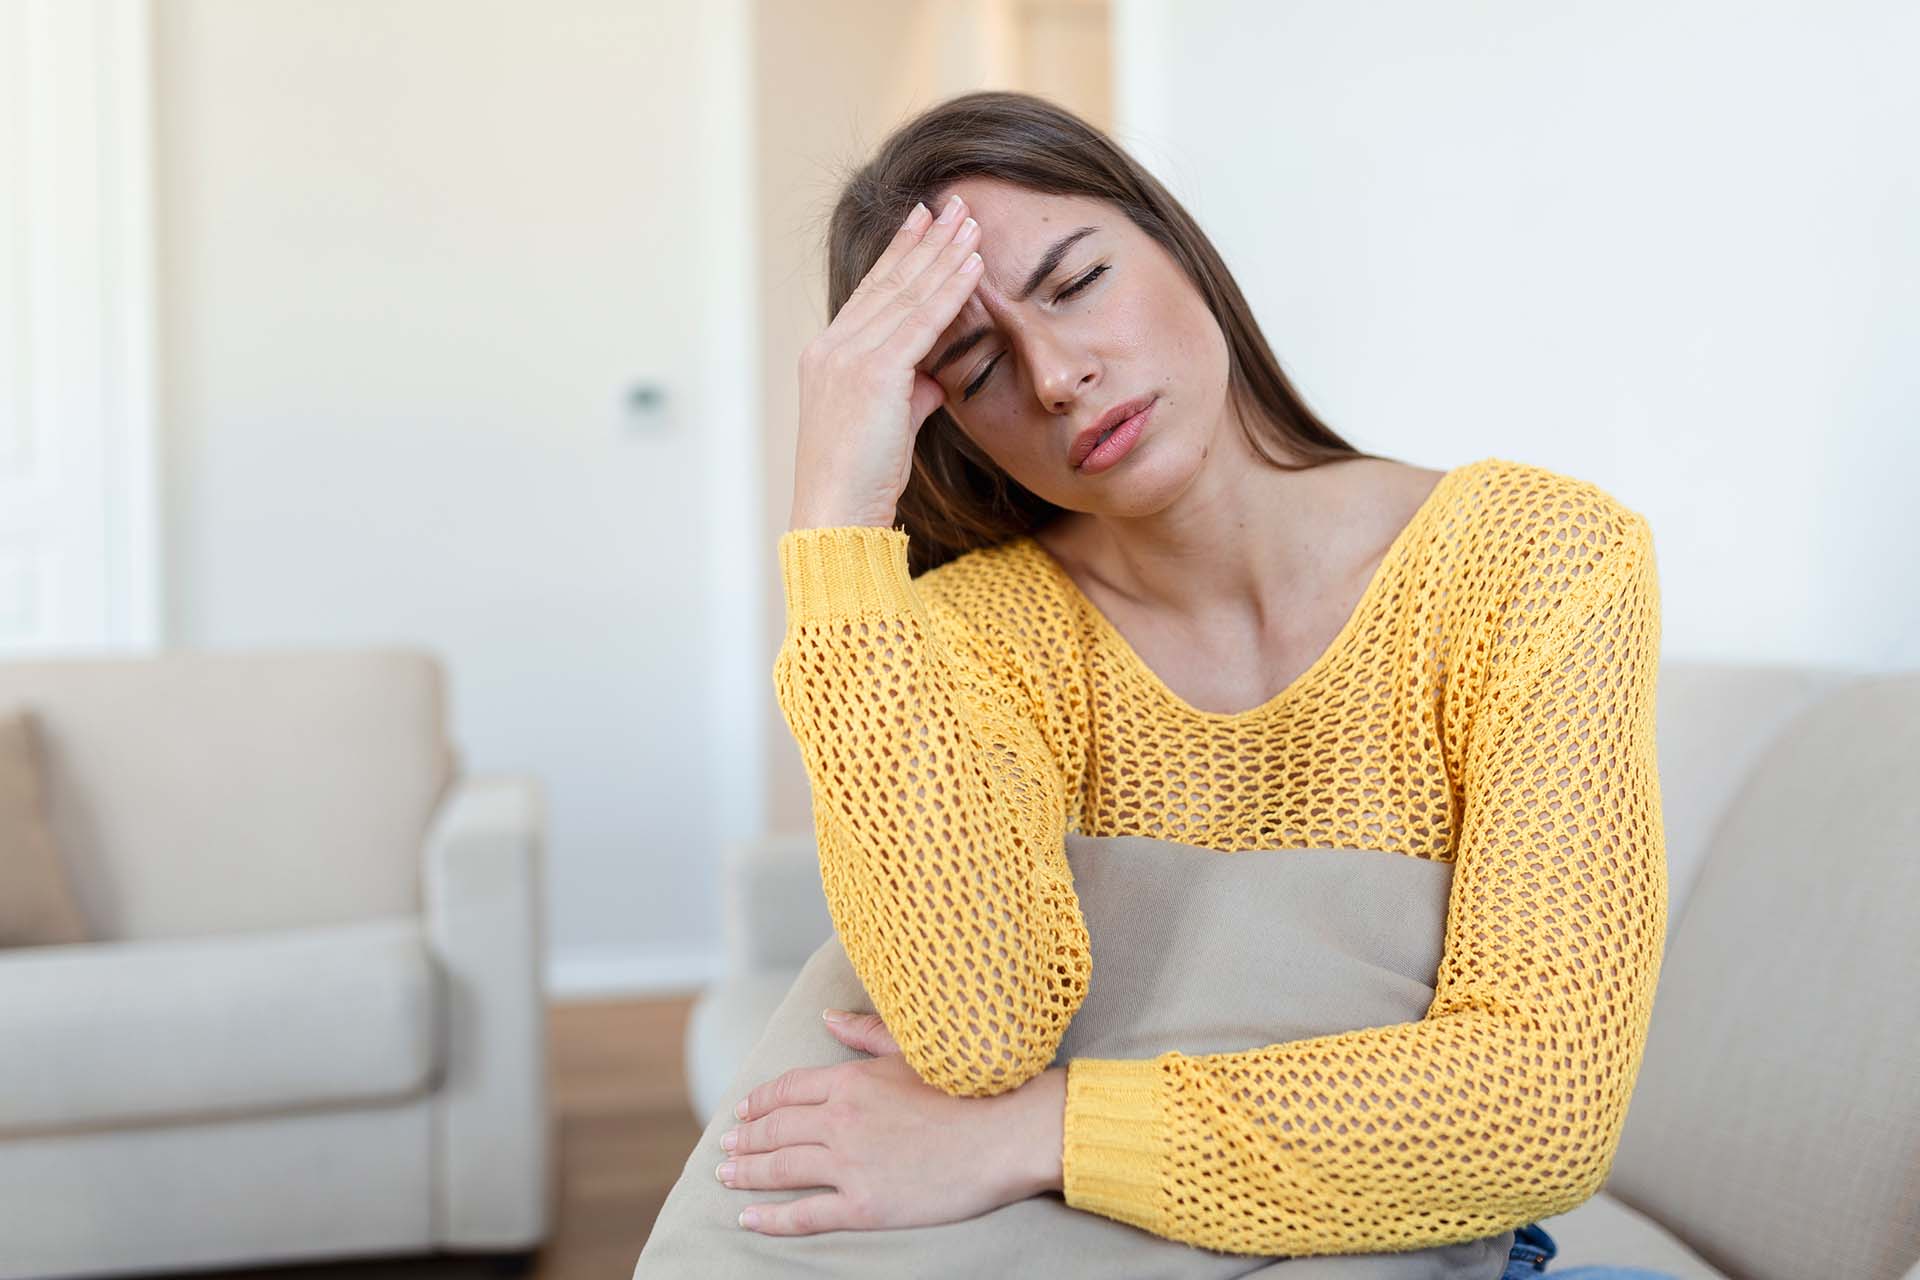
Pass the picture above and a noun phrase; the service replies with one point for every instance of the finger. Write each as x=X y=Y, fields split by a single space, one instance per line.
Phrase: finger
x=926 y=396
x=918 y=275
x=782 y=1127
x=782 y=1170
x=860 y=303
x=802 y=1217
x=797 y=1087
x=866 y=1032
x=921 y=234
x=920 y=327
x=939 y=270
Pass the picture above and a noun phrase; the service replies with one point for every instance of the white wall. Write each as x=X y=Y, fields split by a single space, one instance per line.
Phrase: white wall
x=412 y=258
x=1670 y=248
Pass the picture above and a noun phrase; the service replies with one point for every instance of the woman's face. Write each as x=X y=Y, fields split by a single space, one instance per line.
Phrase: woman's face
x=1112 y=318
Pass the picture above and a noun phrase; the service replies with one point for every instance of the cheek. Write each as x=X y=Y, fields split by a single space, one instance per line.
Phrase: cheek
x=1162 y=332
x=1130 y=332
x=1022 y=447
x=997 y=435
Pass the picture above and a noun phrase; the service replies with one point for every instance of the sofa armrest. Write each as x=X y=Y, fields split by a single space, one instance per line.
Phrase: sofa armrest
x=485 y=909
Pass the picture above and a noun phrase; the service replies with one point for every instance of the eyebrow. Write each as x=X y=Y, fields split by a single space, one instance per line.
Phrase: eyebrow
x=1044 y=268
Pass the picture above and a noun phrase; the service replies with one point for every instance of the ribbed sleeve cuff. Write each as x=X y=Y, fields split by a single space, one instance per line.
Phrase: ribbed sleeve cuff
x=849 y=571
x=1113 y=1160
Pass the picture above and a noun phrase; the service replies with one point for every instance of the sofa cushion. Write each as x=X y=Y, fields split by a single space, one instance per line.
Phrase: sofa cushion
x=1605 y=1233
x=1715 y=720
x=37 y=906
x=300 y=783
x=183 y=1030
x=1776 y=1123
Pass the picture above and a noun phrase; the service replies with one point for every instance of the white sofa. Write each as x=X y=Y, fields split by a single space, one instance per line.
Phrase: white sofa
x=314 y=1024
x=1774 y=1132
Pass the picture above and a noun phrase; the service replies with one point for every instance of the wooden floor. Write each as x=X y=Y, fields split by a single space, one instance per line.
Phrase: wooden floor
x=625 y=1128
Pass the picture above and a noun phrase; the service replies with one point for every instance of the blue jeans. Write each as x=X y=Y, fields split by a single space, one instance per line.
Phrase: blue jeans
x=1533 y=1247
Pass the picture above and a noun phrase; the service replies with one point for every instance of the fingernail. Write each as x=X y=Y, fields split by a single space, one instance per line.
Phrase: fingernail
x=952 y=210
x=740 y=1108
x=916 y=216
x=724 y=1172
x=730 y=1139
x=835 y=1015
x=749 y=1217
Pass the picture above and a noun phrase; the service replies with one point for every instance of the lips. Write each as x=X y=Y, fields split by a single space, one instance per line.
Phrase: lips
x=1084 y=443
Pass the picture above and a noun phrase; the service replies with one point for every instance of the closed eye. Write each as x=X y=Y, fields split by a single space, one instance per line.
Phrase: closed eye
x=980 y=380
x=1065 y=293
x=1082 y=282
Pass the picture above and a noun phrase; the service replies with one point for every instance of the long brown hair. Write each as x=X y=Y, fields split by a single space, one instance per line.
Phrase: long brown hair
x=957 y=499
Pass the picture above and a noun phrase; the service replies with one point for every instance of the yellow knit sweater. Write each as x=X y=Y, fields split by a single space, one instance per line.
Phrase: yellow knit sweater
x=1490 y=702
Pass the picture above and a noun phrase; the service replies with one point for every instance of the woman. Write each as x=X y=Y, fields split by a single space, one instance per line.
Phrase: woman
x=1142 y=589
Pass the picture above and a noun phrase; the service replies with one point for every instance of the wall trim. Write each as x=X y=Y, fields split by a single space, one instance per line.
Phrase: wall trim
x=89 y=516
x=739 y=679
x=590 y=973
x=129 y=238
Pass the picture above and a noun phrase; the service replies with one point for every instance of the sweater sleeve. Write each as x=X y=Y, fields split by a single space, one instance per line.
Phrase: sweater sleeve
x=1502 y=1105
x=939 y=813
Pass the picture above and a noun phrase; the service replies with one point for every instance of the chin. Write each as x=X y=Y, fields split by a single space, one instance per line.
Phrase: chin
x=1145 y=484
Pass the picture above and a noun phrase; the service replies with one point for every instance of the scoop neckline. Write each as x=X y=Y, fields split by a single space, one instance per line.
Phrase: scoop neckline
x=1110 y=635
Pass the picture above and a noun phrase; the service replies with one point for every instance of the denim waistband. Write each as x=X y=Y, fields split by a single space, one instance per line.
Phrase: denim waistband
x=1533 y=1245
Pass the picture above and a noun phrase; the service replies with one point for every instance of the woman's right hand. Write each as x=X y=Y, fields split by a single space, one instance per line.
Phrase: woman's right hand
x=862 y=401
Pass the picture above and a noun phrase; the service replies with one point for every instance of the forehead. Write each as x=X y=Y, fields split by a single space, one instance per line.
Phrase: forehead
x=1004 y=206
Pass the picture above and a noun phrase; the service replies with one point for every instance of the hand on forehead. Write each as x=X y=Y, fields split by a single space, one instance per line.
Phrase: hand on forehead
x=1035 y=242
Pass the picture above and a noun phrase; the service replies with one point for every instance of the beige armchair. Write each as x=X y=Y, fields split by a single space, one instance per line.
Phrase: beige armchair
x=313 y=1022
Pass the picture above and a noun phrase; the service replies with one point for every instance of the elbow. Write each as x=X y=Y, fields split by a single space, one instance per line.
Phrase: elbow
x=980 y=1065
x=1585 y=1126
x=970 y=1054
x=1547 y=1145
x=1585 y=1164
x=1570 y=1155
x=1578 y=1183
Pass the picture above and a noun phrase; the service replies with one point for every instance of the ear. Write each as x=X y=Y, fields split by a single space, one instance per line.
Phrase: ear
x=862 y=1031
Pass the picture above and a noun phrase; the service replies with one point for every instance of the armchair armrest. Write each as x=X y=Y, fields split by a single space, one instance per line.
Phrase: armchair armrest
x=485 y=911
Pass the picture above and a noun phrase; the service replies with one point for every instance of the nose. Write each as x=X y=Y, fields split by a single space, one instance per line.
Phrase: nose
x=1062 y=373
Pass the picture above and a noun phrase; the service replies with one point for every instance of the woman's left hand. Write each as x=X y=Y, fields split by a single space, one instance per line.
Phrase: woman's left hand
x=895 y=1151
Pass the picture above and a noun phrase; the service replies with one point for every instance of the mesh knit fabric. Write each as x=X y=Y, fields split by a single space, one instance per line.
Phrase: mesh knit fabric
x=1490 y=702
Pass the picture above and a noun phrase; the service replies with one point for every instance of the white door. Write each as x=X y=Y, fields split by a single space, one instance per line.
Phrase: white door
x=419 y=261
x=78 y=546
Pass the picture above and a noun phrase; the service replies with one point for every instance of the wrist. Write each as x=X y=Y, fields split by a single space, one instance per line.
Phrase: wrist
x=1039 y=1133
x=836 y=515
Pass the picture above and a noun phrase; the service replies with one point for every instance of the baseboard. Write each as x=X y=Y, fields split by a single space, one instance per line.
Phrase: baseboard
x=588 y=973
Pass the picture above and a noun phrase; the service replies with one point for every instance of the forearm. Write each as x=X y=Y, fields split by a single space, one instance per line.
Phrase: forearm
x=940 y=813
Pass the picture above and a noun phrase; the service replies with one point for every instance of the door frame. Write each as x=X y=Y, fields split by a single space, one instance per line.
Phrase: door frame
x=89 y=94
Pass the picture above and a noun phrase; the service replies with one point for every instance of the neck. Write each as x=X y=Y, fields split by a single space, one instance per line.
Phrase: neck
x=1244 y=537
